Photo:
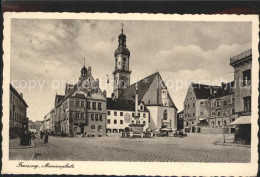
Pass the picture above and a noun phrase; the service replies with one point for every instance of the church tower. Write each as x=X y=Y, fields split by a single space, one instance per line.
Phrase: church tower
x=121 y=72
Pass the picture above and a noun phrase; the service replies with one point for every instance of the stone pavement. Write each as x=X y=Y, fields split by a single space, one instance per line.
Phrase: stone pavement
x=194 y=148
x=16 y=149
x=15 y=144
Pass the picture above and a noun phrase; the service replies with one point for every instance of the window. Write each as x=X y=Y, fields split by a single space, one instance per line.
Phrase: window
x=115 y=121
x=225 y=103
x=77 y=104
x=233 y=100
x=141 y=107
x=165 y=115
x=88 y=93
x=144 y=115
x=247 y=104
x=233 y=111
x=188 y=115
x=92 y=117
x=144 y=122
x=133 y=114
x=96 y=117
x=218 y=103
x=94 y=105
x=193 y=104
x=139 y=114
x=99 y=128
x=75 y=129
x=88 y=105
x=100 y=118
x=185 y=115
x=247 y=77
x=82 y=115
x=121 y=121
x=93 y=127
x=218 y=122
x=212 y=113
x=192 y=122
x=115 y=113
x=192 y=114
x=99 y=106
x=108 y=113
x=187 y=123
x=108 y=121
x=218 y=112
x=201 y=113
x=225 y=122
x=82 y=104
x=77 y=115
x=121 y=113
x=133 y=121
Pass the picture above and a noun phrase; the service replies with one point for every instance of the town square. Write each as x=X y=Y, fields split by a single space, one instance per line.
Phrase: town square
x=119 y=90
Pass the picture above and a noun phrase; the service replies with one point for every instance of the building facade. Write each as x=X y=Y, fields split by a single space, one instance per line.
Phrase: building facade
x=221 y=104
x=180 y=120
x=196 y=107
x=18 y=113
x=121 y=113
x=82 y=110
x=242 y=65
x=152 y=90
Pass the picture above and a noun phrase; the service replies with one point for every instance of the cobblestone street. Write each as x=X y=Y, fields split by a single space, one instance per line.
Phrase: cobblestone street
x=194 y=148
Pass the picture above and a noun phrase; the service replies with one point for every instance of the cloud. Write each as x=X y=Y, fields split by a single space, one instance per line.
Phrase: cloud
x=50 y=50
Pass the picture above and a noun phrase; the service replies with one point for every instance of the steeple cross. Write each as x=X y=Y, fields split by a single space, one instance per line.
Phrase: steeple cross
x=122 y=25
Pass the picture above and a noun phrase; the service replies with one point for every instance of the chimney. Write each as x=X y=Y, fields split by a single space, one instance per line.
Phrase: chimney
x=211 y=90
x=136 y=99
x=223 y=85
x=21 y=94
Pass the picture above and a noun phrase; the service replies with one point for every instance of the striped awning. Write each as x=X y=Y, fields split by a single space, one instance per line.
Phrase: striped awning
x=242 y=120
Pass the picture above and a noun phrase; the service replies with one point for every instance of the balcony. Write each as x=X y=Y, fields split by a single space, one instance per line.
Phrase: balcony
x=241 y=58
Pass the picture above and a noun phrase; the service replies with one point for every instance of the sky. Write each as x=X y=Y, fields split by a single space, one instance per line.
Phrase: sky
x=47 y=53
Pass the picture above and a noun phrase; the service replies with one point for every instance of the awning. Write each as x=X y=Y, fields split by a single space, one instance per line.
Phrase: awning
x=242 y=120
x=202 y=118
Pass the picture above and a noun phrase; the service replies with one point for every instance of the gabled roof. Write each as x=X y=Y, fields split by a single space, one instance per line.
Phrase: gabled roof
x=202 y=91
x=18 y=95
x=143 y=87
x=123 y=105
x=225 y=89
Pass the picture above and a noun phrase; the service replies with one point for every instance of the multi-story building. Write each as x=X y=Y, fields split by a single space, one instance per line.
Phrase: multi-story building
x=82 y=110
x=121 y=113
x=242 y=65
x=221 y=104
x=47 y=123
x=152 y=90
x=196 y=108
x=18 y=113
x=180 y=120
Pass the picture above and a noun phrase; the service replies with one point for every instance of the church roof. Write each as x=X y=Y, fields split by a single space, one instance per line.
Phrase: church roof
x=122 y=50
x=143 y=86
x=123 y=105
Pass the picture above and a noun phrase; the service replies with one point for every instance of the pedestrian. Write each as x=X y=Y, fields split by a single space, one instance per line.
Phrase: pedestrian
x=46 y=137
x=41 y=134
